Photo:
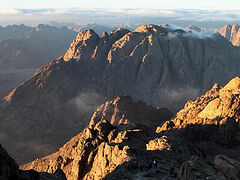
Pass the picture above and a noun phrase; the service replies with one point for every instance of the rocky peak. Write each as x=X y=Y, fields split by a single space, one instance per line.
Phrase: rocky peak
x=86 y=35
x=218 y=110
x=233 y=86
x=120 y=32
x=195 y=28
x=123 y=110
x=82 y=46
x=147 y=28
x=105 y=34
x=235 y=27
x=226 y=31
x=43 y=27
x=232 y=33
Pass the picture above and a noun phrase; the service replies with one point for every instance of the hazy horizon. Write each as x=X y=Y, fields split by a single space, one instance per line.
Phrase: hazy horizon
x=150 y=4
x=120 y=17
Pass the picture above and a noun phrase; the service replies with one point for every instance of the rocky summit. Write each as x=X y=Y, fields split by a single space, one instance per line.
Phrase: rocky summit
x=232 y=33
x=160 y=65
x=211 y=121
x=120 y=142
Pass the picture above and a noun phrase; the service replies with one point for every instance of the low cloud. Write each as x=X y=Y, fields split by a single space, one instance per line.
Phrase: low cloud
x=189 y=33
x=87 y=101
x=9 y=11
x=115 y=17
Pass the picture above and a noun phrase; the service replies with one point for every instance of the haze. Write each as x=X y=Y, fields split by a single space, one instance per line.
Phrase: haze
x=152 y=4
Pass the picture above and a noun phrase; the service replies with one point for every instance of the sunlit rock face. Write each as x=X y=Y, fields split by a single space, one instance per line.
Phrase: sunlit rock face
x=218 y=106
x=120 y=143
x=211 y=121
x=116 y=136
x=232 y=33
x=194 y=28
x=123 y=110
x=160 y=65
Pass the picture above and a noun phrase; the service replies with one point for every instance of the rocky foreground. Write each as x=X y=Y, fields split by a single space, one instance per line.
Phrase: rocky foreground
x=128 y=140
x=160 y=65
x=9 y=170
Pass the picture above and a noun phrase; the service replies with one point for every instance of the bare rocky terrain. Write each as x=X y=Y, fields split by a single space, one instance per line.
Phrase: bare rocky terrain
x=160 y=65
x=120 y=142
x=232 y=33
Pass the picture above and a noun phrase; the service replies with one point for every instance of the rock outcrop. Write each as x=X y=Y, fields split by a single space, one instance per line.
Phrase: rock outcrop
x=160 y=65
x=108 y=142
x=232 y=33
x=120 y=143
x=123 y=110
x=9 y=170
x=211 y=120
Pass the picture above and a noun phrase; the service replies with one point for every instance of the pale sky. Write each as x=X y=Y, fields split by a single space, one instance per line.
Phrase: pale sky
x=149 y=4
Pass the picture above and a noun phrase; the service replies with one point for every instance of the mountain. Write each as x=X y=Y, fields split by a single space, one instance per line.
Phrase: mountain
x=212 y=120
x=9 y=169
x=61 y=24
x=192 y=27
x=14 y=31
x=20 y=57
x=232 y=33
x=120 y=143
x=99 y=29
x=116 y=128
x=160 y=65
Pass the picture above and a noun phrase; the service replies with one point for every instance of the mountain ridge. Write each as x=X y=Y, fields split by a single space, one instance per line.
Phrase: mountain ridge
x=160 y=65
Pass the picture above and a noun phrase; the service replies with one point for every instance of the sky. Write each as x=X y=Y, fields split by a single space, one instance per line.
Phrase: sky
x=204 y=13
x=149 y=4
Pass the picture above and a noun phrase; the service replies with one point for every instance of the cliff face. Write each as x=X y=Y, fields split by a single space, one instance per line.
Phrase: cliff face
x=160 y=65
x=232 y=33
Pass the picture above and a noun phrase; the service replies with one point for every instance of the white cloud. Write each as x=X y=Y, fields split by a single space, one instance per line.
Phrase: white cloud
x=9 y=11
x=115 y=17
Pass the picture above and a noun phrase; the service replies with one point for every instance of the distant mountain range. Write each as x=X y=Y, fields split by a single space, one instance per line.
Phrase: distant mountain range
x=24 y=49
x=160 y=65
x=98 y=28
x=14 y=31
